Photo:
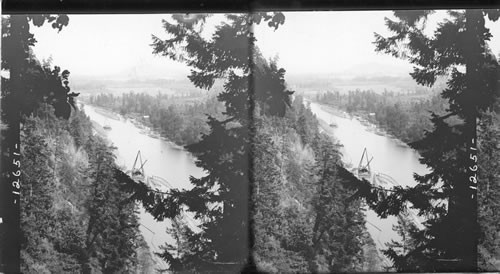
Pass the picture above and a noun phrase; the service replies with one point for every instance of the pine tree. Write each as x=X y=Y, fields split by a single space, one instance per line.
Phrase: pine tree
x=446 y=196
x=220 y=199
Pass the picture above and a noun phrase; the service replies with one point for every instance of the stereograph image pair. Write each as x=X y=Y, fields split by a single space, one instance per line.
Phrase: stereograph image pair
x=290 y=142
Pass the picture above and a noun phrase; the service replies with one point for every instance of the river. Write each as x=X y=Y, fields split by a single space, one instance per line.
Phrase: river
x=390 y=156
x=164 y=159
x=176 y=165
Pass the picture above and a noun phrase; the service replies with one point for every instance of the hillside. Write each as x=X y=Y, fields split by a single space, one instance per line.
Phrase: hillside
x=74 y=216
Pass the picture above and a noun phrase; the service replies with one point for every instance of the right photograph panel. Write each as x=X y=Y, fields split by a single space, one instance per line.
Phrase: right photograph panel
x=385 y=155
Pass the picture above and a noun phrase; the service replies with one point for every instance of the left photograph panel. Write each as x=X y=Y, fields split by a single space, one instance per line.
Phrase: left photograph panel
x=133 y=136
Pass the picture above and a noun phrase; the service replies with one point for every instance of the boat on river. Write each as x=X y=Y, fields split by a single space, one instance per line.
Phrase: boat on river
x=384 y=181
x=157 y=184
x=137 y=174
x=364 y=171
x=106 y=125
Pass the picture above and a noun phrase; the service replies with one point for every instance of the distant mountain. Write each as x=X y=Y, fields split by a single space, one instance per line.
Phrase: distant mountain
x=369 y=76
x=91 y=85
x=322 y=83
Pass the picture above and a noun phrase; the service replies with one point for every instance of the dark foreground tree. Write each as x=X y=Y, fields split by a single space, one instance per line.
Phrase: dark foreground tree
x=447 y=195
x=219 y=200
x=19 y=89
x=29 y=82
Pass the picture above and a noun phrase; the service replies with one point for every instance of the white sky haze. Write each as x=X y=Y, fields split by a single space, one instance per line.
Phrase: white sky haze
x=331 y=43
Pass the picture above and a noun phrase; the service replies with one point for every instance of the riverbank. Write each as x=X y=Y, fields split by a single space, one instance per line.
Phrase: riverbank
x=107 y=113
x=98 y=129
x=377 y=261
x=164 y=159
x=390 y=156
x=365 y=120
x=146 y=252
x=137 y=120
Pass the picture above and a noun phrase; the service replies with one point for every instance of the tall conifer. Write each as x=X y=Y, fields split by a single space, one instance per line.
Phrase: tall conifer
x=447 y=195
x=220 y=199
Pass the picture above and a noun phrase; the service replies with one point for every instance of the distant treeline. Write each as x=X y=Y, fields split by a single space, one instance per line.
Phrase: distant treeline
x=97 y=85
x=405 y=116
x=181 y=119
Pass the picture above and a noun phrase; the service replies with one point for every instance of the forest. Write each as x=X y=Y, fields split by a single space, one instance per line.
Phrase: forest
x=452 y=147
x=275 y=195
x=304 y=221
x=181 y=120
x=267 y=167
x=75 y=216
x=296 y=177
x=405 y=116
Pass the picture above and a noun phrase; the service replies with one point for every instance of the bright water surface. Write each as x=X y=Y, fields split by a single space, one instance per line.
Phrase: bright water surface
x=176 y=165
x=390 y=157
x=163 y=159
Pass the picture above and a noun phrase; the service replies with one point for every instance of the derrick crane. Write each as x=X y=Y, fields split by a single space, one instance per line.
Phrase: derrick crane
x=381 y=180
x=156 y=183
x=138 y=172
x=364 y=170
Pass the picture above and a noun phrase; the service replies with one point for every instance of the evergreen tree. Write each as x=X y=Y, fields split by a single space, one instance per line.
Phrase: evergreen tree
x=22 y=91
x=489 y=190
x=75 y=217
x=339 y=222
x=36 y=96
x=446 y=196
x=37 y=212
x=112 y=225
x=303 y=219
x=16 y=42
x=220 y=199
x=280 y=198
x=31 y=82
x=52 y=232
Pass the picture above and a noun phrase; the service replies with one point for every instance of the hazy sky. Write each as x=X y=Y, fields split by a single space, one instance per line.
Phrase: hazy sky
x=335 y=43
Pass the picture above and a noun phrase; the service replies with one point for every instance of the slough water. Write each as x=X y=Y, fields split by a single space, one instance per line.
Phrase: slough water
x=394 y=162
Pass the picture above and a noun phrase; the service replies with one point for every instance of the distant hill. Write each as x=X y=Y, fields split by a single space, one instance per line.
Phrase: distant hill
x=88 y=85
x=322 y=83
x=301 y=83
